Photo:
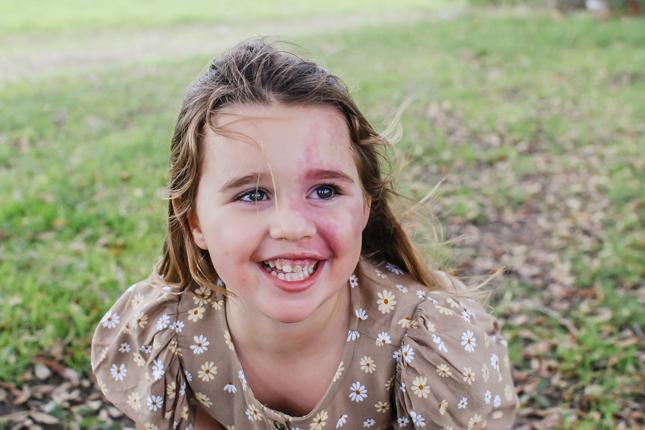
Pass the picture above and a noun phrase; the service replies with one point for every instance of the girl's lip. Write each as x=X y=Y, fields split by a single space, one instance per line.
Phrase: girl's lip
x=294 y=286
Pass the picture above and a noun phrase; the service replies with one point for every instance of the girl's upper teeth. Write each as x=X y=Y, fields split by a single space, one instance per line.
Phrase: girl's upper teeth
x=291 y=266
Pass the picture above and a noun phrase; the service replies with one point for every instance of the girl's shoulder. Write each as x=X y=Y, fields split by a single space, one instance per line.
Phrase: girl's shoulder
x=452 y=366
x=392 y=299
x=135 y=351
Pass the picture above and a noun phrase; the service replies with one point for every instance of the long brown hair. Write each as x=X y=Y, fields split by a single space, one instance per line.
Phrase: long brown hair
x=255 y=72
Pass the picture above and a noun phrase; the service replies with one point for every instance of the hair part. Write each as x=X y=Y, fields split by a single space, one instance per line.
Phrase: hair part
x=254 y=72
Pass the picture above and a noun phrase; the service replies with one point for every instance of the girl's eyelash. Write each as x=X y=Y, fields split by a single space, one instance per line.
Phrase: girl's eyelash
x=334 y=187
x=260 y=190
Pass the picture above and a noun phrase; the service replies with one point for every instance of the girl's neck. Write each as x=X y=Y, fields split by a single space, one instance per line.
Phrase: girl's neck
x=256 y=335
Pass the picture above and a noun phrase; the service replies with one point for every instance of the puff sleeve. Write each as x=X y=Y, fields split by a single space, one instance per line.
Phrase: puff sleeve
x=453 y=370
x=136 y=359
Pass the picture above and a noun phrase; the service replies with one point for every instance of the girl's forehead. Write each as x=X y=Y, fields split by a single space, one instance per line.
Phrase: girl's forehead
x=287 y=138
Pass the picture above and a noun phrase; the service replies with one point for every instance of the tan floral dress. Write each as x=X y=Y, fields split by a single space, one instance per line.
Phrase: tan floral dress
x=414 y=359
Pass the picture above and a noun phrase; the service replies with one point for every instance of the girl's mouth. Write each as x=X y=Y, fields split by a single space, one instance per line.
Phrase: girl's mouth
x=291 y=270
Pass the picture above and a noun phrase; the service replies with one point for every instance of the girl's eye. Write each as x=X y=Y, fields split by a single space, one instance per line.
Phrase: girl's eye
x=252 y=196
x=326 y=191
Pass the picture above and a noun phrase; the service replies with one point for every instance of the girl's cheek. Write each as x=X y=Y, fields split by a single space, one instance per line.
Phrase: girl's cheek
x=337 y=229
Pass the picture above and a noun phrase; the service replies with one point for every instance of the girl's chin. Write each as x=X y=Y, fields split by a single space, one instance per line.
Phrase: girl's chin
x=287 y=314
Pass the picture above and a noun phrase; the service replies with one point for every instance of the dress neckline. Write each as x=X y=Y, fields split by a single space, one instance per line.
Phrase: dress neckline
x=333 y=386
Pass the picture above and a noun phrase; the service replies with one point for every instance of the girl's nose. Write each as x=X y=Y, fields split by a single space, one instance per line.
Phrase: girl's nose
x=290 y=224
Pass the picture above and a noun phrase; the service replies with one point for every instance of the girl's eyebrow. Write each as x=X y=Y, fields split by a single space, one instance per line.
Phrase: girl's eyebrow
x=255 y=178
x=240 y=181
x=328 y=174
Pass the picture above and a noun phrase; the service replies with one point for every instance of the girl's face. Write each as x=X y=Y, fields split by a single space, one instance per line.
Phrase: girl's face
x=281 y=211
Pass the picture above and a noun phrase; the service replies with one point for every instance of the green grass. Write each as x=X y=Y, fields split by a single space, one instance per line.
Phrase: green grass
x=64 y=16
x=83 y=159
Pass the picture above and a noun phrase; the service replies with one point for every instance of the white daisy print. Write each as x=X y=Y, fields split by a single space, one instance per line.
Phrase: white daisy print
x=369 y=423
x=195 y=314
x=158 y=369
x=201 y=344
x=353 y=281
x=386 y=301
x=420 y=387
x=444 y=310
x=393 y=269
x=421 y=294
x=204 y=399
x=494 y=361
x=217 y=304
x=469 y=375
x=487 y=397
x=380 y=274
x=508 y=392
x=319 y=421
x=383 y=338
x=468 y=341
x=382 y=407
x=443 y=370
x=361 y=314
x=253 y=413
x=401 y=288
x=146 y=349
x=242 y=378
x=357 y=392
x=202 y=296
x=485 y=372
x=110 y=320
x=163 y=322
x=352 y=335
x=207 y=372
x=466 y=315
x=367 y=364
x=453 y=303
x=230 y=388
x=417 y=419
x=177 y=326
x=228 y=341
x=407 y=353
x=137 y=299
x=439 y=342
x=443 y=406
x=405 y=322
x=118 y=371
x=397 y=354
x=138 y=359
x=171 y=390
x=339 y=371
x=463 y=403
x=154 y=403
x=476 y=419
x=125 y=348
x=403 y=421
x=133 y=401
x=342 y=421
x=141 y=320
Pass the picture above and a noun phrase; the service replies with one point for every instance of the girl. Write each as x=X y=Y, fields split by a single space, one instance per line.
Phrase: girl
x=288 y=296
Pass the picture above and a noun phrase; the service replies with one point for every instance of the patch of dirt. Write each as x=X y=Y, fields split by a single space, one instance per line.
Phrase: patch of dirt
x=32 y=56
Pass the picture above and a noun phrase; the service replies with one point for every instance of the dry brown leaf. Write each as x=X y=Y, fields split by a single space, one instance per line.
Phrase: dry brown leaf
x=44 y=418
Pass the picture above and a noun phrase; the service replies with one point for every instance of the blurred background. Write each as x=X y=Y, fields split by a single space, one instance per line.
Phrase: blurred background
x=527 y=110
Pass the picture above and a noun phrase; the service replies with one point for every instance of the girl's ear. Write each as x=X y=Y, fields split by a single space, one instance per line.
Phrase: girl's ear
x=195 y=227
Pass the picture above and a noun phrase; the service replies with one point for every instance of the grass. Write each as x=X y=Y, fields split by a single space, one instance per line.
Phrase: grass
x=522 y=100
x=65 y=16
